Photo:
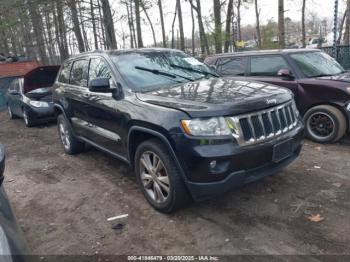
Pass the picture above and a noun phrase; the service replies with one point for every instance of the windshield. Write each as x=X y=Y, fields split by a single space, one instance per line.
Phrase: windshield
x=145 y=71
x=314 y=64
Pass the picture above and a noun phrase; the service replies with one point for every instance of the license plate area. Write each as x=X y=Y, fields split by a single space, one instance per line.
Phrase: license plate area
x=282 y=151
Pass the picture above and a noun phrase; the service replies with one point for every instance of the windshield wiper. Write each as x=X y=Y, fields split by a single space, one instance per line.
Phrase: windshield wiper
x=206 y=73
x=322 y=75
x=159 y=72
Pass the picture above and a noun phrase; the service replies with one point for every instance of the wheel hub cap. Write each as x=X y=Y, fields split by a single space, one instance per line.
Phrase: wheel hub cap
x=321 y=125
x=154 y=177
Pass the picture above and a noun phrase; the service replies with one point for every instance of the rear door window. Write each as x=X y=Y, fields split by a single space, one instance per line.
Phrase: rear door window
x=99 y=69
x=267 y=65
x=79 y=73
x=65 y=72
x=232 y=66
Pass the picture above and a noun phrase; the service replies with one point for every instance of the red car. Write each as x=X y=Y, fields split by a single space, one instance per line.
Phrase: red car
x=320 y=85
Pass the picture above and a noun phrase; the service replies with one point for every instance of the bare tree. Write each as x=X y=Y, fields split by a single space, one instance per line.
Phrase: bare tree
x=172 y=28
x=160 y=6
x=303 y=24
x=76 y=25
x=109 y=25
x=138 y=23
x=202 y=35
x=218 y=30
x=347 y=24
x=181 y=26
x=149 y=21
x=229 y=14
x=257 y=15
x=93 y=22
x=281 y=29
x=193 y=33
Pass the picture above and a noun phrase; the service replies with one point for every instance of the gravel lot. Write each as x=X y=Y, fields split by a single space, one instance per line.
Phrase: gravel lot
x=62 y=203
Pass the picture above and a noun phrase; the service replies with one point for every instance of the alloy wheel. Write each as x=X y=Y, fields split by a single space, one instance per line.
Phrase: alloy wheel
x=25 y=117
x=321 y=125
x=64 y=135
x=154 y=177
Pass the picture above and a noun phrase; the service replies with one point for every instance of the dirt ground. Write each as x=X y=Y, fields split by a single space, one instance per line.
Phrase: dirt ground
x=62 y=204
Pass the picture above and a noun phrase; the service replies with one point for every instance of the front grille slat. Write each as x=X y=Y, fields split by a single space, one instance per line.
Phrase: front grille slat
x=260 y=126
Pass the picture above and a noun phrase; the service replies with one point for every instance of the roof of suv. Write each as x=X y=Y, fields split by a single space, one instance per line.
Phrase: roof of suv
x=266 y=52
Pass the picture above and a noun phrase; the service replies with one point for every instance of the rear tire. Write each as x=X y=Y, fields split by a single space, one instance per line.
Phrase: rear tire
x=325 y=124
x=163 y=187
x=70 y=143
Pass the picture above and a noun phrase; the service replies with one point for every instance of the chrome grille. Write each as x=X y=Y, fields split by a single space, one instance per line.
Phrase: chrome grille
x=263 y=125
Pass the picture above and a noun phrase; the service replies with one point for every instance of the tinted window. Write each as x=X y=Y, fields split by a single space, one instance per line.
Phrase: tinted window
x=99 y=68
x=314 y=64
x=232 y=66
x=79 y=73
x=65 y=72
x=267 y=66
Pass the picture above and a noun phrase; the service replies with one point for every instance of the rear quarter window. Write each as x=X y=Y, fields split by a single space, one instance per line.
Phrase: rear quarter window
x=65 y=72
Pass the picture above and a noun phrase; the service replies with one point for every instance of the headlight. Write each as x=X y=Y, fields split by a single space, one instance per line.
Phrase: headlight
x=215 y=126
x=39 y=104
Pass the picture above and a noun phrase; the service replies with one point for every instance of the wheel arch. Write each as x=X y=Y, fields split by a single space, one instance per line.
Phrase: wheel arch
x=138 y=134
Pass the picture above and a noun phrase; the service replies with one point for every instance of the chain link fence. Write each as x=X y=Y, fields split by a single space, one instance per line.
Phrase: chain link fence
x=343 y=54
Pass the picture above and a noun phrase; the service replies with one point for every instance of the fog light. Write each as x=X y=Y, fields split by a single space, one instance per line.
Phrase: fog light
x=212 y=164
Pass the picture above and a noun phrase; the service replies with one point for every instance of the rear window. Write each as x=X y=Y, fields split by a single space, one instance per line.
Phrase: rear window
x=65 y=72
x=232 y=66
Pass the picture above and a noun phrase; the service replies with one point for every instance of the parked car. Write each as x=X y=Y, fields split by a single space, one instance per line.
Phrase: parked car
x=30 y=96
x=320 y=85
x=4 y=85
x=13 y=247
x=186 y=132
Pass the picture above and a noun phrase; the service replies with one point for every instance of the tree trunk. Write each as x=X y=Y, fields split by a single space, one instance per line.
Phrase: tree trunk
x=181 y=26
x=109 y=25
x=347 y=24
x=38 y=32
x=257 y=14
x=86 y=41
x=130 y=25
x=138 y=24
x=76 y=25
x=172 y=29
x=61 y=27
x=228 y=26
x=303 y=31
x=93 y=22
x=202 y=35
x=193 y=33
x=150 y=22
x=103 y=32
x=218 y=32
x=281 y=31
x=162 y=21
x=239 y=3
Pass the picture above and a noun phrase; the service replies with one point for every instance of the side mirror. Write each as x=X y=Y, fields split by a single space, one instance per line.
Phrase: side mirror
x=285 y=73
x=213 y=67
x=100 y=85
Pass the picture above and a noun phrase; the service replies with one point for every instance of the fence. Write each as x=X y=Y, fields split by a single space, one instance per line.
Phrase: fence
x=343 y=54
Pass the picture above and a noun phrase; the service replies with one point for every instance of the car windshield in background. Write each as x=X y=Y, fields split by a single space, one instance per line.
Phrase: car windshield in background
x=145 y=71
x=317 y=64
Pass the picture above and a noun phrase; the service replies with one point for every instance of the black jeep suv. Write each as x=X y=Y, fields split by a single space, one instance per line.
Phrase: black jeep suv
x=186 y=132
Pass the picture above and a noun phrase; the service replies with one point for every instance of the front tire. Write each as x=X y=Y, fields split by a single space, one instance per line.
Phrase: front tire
x=11 y=115
x=27 y=119
x=325 y=124
x=159 y=177
x=70 y=143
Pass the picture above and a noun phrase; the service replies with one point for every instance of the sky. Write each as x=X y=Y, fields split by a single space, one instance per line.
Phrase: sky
x=269 y=9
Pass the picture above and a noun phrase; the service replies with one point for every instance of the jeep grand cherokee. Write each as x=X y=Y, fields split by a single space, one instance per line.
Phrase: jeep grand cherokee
x=186 y=132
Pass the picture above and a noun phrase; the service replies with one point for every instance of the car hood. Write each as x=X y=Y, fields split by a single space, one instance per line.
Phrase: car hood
x=218 y=97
